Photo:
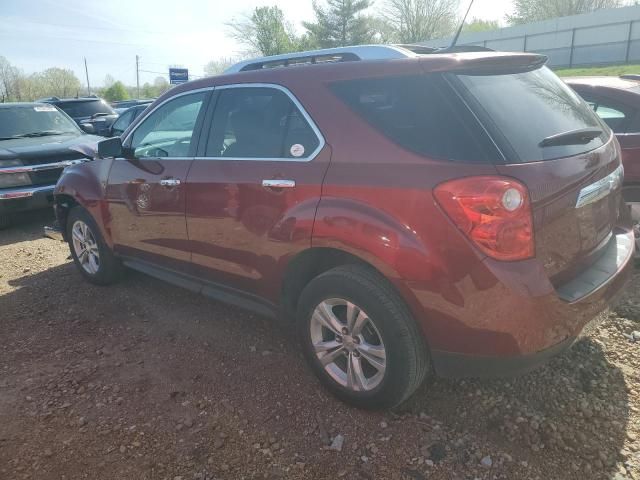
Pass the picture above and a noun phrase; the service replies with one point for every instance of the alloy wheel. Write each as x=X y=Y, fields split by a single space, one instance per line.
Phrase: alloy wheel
x=85 y=247
x=348 y=345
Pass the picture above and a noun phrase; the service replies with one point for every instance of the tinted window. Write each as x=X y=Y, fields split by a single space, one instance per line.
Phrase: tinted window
x=421 y=114
x=259 y=123
x=34 y=119
x=523 y=109
x=612 y=115
x=167 y=131
x=86 y=109
x=123 y=121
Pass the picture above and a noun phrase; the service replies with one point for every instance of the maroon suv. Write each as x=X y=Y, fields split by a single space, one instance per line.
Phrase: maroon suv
x=459 y=212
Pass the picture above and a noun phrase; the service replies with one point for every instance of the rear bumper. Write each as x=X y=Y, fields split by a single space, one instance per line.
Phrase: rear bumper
x=13 y=200
x=520 y=321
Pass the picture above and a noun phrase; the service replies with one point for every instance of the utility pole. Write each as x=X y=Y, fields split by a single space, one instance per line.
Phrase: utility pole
x=86 y=71
x=138 y=76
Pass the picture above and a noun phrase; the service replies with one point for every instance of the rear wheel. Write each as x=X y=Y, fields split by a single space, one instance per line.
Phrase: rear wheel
x=93 y=258
x=360 y=338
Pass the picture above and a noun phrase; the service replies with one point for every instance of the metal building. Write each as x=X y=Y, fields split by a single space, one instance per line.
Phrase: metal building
x=602 y=37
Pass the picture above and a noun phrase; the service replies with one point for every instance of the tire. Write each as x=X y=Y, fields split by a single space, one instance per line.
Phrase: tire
x=5 y=221
x=385 y=326
x=105 y=268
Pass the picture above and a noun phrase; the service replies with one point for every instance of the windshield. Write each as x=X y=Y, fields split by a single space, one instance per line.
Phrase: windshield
x=86 y=108
x=34 y=120
x=523 y=111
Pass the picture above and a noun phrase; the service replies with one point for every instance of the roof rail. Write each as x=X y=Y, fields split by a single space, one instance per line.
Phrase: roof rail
x=48 y=99
x=331 y=55
x=630 y=76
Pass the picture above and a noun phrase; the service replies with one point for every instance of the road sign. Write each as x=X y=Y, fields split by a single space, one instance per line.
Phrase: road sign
x=178 y=75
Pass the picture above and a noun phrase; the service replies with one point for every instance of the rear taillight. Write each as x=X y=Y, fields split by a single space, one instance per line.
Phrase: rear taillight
x=494 y=212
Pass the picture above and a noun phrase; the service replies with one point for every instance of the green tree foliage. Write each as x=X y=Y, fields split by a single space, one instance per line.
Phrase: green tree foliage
x=117 y=91
x=59 y=82
x=264 y=32
x=420 y=20
x=479 y=25
x=526 y=11
x=341 y=23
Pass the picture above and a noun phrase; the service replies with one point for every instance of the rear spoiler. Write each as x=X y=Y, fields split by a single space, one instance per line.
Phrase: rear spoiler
x=484 y=63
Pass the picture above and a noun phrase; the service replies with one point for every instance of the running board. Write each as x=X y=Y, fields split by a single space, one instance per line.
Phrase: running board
x=213 y=290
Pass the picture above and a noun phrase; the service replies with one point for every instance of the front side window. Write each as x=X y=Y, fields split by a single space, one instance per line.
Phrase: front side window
x=121 y=124
x=259 y=122
x=168 y=131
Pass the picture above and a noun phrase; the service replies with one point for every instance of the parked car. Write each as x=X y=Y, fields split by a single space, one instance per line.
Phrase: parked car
x=92 y=114
x=123 y=105
x=127 y=116
x=36 y=144
x=460 y=212
x=617 y=102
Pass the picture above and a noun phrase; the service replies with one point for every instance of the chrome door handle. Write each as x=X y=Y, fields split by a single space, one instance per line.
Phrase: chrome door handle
x=170 y=182
x=279 y=183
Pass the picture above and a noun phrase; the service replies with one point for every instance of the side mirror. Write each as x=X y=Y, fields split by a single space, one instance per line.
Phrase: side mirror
x=111 y=147
x=88 y=128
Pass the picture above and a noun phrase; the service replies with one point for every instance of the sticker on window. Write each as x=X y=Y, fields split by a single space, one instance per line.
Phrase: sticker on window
x=296 y=150
x=45 y=108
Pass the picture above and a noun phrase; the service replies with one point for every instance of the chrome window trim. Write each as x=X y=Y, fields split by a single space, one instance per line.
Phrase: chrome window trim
x=40 y=167
x=296 y=102
x=166 y=100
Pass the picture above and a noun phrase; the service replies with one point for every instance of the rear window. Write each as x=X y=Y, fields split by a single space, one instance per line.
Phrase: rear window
x=421 y=113
x=521 y=110
x=86 y=109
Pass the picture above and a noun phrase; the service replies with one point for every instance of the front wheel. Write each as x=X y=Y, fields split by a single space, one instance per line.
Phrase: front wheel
x=360 y=338
x=93 y=258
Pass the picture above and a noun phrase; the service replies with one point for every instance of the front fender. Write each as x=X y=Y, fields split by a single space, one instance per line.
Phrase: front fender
x=84 y=183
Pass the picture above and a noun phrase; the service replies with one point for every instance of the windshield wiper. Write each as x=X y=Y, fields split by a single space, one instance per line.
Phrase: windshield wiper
x=581 y=136
x=44 y=133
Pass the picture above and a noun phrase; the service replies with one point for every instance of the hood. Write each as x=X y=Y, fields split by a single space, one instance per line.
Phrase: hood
x=41 y=149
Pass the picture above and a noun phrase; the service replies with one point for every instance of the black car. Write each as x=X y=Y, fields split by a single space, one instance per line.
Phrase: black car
x=125 y=119
x=92 y=114
x=37 y=142
x=122 y=105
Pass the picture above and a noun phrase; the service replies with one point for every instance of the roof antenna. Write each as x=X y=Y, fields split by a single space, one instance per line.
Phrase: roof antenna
x=459 y=31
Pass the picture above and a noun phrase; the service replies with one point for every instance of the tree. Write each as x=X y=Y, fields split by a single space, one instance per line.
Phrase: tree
x=216 y=67
x=341 y=23
x=117 y=91
x=526 y=11
x=161 y=85
x=420 y=20
x=59 y=82
x=265 y=32
x=479 y=25
x=108 y=80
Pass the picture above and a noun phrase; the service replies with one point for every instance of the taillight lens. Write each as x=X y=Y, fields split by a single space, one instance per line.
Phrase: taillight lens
x=494 y=212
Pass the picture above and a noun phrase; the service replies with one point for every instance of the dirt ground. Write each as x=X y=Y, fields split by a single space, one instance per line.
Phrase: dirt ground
x=143 y=380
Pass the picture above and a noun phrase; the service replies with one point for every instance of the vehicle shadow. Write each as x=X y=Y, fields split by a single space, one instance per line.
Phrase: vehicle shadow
x=26 y=226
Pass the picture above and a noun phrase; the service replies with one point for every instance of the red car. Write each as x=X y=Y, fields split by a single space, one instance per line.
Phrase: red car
x=405 y=212
x=617 y=102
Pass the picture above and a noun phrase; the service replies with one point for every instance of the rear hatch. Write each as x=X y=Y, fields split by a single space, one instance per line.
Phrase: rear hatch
x=554 y=144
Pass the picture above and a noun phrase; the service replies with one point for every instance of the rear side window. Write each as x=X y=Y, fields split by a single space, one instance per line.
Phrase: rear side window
x=259 y=122
x=521 y=110
x=612 y=114
x=421 y=113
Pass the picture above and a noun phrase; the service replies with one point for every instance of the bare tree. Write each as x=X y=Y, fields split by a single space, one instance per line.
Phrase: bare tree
x=216 y=67
x=419 y=20
x=526 y=11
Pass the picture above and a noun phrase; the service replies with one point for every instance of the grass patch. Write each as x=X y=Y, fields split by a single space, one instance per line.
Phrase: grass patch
x=611 y=70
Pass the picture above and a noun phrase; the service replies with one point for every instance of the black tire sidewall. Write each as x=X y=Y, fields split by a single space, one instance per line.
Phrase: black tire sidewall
x=105 y=273
x=396 y=381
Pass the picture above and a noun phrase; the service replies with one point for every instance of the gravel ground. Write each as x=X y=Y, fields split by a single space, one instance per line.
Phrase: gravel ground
x=146 y=381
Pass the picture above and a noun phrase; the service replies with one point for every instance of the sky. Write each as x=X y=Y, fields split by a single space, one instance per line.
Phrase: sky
x=37 y=34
